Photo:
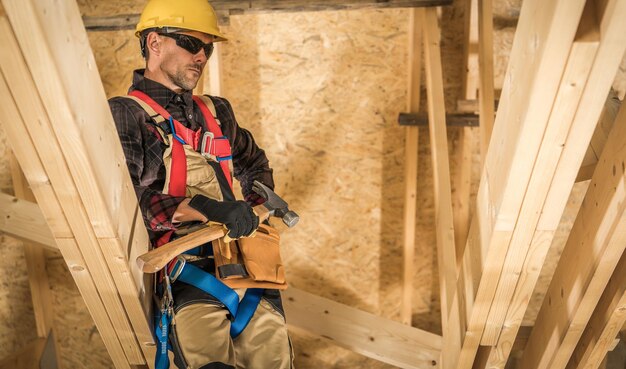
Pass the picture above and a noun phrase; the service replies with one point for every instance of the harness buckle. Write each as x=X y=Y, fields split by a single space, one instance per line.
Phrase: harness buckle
x=177 y=268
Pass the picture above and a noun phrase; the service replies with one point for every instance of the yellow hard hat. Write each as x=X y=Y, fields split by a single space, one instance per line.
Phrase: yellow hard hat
x=194 y=15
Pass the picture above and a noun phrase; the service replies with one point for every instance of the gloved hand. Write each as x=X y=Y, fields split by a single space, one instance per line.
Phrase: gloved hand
x=237 y=216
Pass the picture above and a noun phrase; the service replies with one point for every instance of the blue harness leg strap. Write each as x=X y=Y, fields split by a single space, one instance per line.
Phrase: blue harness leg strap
x=161 y=327
x=208 y=283
x=241 y=312
x=247 y=307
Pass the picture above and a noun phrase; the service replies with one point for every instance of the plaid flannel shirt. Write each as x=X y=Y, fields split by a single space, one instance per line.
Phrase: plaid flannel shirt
x=143 y=149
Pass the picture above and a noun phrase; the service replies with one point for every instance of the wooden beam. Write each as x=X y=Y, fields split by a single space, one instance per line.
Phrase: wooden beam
x=94 y=192
x=226 y=8
x=410 y=163
x=605 y=322
x=39 y=180
x=375 y=337
x=570 y=91
x=531 y=85
x=577 y=285
x=486 y=96
x=446 y=249
x=452 y=120
x=23 y=220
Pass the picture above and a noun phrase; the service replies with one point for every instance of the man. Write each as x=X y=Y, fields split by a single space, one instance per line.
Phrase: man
x=162 y=127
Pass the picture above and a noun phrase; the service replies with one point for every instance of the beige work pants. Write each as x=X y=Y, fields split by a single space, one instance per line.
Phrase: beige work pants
x=202 y=334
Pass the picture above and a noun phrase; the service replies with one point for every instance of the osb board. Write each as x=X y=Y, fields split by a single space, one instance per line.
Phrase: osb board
x=321 y=93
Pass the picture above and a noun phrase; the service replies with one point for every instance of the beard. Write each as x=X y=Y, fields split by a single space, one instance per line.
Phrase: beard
x=181 y=78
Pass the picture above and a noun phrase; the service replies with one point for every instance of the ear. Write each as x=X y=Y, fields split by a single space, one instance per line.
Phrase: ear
x=154 y=43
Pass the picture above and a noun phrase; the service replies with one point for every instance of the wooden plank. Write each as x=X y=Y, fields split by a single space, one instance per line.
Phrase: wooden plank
x=605 y=323
x=568 y=97
x=411 y=141
x=23 y=219
x=102 y=210
x=530 y=88
x=375 y=337
x=40 y=184
x=558 y=327
x=607 y=59
x=446 y=248
x=238 y=7
x=486 y=96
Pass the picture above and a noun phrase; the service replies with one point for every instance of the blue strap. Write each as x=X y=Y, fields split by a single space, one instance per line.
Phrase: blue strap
x=208 y=283
x=247 y=307
x=161 y=327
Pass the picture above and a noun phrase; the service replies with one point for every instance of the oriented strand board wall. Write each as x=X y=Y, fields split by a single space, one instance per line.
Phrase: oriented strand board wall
x=321 y=92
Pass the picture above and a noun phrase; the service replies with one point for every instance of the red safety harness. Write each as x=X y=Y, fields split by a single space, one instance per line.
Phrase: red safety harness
x=219 y=148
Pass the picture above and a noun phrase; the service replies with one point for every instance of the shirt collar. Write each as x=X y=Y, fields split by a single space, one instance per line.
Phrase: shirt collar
x=159 y=93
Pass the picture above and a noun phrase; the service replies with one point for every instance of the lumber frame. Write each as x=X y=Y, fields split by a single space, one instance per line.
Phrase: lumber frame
x=411 y=149
x=378 y=338
x=535 y=70
x=446 y=248
x=89 y=195
x=521 y=246
x=605 y=323
x=557 y=349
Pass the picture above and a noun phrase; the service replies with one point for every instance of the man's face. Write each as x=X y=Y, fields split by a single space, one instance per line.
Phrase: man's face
x=180 y=66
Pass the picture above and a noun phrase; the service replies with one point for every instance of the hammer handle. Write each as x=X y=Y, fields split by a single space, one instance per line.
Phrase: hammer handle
x=155 y=259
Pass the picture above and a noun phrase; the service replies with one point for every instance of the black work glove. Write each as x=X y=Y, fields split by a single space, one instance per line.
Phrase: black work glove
x=237 y=216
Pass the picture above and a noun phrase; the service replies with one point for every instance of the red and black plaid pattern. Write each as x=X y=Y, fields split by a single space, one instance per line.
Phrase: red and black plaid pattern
x=144 y=150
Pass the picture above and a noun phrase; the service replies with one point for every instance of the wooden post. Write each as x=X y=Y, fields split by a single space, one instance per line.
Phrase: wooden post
x=446 y=249
x=531 y=85
x=410 y=162
x=486 y=99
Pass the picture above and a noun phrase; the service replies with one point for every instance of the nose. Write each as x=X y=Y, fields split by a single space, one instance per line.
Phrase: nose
x=200 y=57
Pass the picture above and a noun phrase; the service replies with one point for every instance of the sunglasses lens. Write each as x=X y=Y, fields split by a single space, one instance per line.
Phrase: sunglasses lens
x=193 y=45
x=190 y=43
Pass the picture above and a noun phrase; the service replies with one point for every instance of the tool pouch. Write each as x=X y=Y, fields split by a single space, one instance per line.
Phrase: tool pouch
x=251 y=262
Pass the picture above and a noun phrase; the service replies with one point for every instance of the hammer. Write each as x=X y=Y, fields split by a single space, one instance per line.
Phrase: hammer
x=156 y=259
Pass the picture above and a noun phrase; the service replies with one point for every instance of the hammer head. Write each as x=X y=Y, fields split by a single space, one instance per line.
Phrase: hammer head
x=277 y=206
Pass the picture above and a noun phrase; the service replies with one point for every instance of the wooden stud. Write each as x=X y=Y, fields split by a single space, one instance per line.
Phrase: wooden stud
x=446 y=249
x=568 y=97
x=378 y=338
x=485 y=56
x=535 y=71
x=41 y=186
x=410 y=164
x=558 y=327
x=605 y=323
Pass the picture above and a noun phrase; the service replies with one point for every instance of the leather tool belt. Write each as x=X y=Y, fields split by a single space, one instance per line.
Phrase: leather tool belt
x=251 y=262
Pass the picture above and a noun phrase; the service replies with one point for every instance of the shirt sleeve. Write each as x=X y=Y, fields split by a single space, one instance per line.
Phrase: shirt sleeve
x=249 y=160
x=157 y=208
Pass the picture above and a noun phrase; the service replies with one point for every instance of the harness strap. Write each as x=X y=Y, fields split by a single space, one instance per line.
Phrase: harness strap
x=242 y=312
x=208 y=111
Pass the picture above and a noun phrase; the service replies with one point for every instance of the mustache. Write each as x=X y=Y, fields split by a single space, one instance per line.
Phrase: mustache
x=196 y=66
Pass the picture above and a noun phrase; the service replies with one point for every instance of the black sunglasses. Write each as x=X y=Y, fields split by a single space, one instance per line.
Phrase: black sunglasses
x=190 y=43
